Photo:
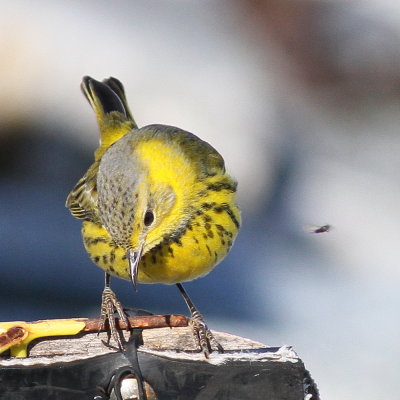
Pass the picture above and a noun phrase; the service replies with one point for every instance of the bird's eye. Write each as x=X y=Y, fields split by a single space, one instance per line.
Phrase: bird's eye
x=148 y=218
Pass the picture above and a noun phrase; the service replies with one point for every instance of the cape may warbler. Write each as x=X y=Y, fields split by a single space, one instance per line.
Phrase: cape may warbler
x=157 y=205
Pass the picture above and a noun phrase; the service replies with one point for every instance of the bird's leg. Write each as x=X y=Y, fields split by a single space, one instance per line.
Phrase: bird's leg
x=203 y=336
x=110 y=304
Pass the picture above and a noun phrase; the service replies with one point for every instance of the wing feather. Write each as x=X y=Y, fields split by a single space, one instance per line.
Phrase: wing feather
x=82 y=201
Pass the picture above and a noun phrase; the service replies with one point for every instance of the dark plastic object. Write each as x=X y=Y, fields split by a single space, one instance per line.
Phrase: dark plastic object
x=171 y=379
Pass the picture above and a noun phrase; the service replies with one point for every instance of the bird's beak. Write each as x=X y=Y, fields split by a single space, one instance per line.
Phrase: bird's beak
x=134 y=259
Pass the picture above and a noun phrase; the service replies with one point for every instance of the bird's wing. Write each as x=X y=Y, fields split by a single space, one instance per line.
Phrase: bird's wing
x=82 y=201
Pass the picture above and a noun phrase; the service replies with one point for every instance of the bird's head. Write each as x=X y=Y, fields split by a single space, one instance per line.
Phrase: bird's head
x=146 y=187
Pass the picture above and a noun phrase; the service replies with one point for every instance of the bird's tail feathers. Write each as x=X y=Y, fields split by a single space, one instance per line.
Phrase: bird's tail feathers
x=109 y=103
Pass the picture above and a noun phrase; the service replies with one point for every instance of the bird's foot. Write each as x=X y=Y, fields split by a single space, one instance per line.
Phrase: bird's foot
x=110 y=305
x=203 y=336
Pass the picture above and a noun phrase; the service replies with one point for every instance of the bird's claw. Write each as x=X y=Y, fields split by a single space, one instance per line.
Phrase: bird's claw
x=109 y=305
x=203 y=336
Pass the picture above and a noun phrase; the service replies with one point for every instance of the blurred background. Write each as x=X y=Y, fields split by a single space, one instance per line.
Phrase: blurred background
x=301 y=97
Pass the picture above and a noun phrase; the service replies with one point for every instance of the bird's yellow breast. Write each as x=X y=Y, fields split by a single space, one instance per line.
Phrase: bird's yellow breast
x=179 y=256
x=200 y=246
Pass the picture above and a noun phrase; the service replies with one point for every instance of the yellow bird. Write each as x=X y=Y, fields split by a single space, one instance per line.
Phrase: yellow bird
x=157 y=205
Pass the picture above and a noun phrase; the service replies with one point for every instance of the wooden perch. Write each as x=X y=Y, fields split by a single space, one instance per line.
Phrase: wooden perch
x=82 y=367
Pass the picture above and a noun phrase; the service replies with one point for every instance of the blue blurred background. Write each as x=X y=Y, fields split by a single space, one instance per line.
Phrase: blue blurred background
x=301 y=97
